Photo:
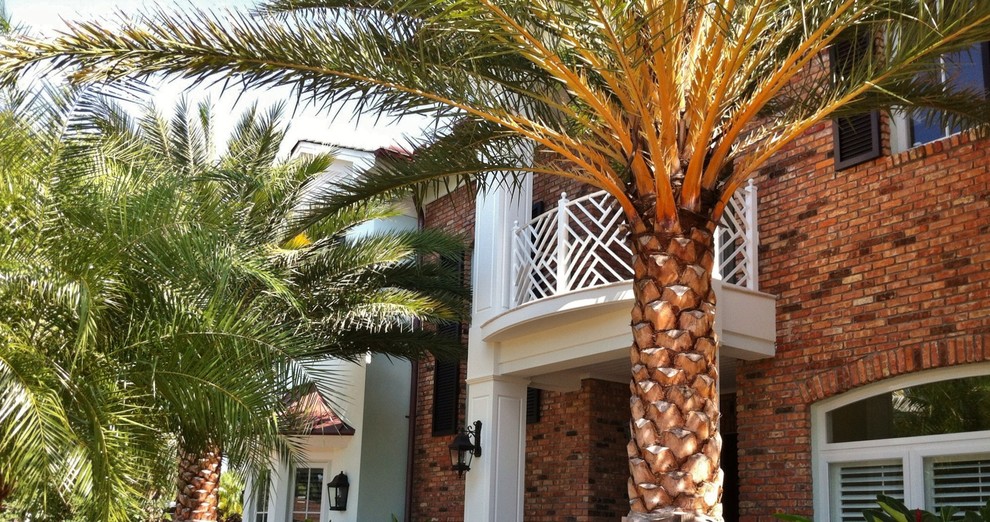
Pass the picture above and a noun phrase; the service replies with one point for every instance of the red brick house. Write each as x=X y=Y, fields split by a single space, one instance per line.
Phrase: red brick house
x=854 y=312
x=864 y=289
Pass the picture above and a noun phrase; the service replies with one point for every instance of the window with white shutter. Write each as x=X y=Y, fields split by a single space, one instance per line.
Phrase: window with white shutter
x=923 y=438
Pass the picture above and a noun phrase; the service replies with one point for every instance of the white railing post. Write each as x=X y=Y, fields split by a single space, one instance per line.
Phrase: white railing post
x=752 y=237
x=562 y=250
x=717 y=265
x=518 y=271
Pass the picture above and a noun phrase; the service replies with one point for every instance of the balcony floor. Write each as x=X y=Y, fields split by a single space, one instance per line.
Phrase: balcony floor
x=558 y=339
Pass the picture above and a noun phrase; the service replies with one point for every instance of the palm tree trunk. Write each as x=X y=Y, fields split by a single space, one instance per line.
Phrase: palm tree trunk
x=198 y=484
x=675 y=449
x=6 y=488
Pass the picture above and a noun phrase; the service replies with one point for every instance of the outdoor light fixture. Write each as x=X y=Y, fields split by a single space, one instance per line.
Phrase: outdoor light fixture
x=337 y=492
x=463 y=449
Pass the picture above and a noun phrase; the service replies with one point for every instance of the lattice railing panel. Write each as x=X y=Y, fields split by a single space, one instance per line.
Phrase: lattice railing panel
x=598 y=253
x=581 y=244
x=736 y=261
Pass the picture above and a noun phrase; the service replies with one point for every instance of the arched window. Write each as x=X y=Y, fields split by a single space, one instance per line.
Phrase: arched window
x=923 y=438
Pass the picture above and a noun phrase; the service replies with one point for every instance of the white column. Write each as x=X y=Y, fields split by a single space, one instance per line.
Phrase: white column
x=752 y=238
x=494 y=486
x=496 y=213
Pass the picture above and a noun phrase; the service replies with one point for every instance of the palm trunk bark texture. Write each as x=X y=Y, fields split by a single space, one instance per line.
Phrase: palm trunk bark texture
x=198 y=486
x=675 y=449
x=6 y=488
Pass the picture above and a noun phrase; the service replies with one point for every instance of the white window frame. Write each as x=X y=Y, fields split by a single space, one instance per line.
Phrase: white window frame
x=251 y=508
x=291 y=483
x=912 y=451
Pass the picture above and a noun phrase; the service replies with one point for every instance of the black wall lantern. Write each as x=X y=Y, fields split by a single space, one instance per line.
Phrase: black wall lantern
x=337 y=492
x=463 y=448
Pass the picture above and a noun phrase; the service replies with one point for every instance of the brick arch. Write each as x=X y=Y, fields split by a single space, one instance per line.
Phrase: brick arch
x=902 y=360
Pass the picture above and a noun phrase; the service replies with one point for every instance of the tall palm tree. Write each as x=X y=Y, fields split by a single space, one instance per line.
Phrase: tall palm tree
x=668 y=105
x=153 y=300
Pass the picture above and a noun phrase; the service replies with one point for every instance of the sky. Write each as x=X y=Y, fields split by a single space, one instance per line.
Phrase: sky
x=46 y=16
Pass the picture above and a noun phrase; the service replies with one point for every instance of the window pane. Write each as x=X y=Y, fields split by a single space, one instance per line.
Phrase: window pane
x=937 y=408
x=961 y=70
x=315 y=492
x=924 y=131
x=855 y=487
x=308 y=488
x=963 y=483
x=964 y=69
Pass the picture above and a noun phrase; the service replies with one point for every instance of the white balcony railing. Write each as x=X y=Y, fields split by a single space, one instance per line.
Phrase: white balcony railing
x=580 y=244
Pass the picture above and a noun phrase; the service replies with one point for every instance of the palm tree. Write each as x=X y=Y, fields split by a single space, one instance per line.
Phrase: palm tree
x=155 y=302
x=668 y=105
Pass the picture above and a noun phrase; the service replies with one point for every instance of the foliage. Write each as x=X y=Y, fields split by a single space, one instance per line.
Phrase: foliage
x=676 y=100
x=231 y=501
x=152 y=296
x=4 y=18
x=893 y=510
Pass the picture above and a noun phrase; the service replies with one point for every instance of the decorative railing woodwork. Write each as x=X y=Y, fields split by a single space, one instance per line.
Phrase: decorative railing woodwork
x=581 y=244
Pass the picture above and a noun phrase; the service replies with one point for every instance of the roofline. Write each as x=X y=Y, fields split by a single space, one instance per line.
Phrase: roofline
x=390 y=149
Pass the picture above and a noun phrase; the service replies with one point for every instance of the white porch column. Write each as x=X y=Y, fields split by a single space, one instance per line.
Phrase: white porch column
x=494 y=486
x=496 y=212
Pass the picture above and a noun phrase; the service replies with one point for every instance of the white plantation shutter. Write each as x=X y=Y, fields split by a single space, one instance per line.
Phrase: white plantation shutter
x=964 y=484
x=857 y=486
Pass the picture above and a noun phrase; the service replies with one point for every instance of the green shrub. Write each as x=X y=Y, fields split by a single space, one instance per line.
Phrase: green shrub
x=893 y=510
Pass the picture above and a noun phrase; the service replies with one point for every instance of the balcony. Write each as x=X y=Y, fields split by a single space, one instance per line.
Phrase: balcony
x=580 y=245
x=568 y=313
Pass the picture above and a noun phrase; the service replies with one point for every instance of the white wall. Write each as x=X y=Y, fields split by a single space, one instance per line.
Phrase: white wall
x=384 y=440
x=332 y=453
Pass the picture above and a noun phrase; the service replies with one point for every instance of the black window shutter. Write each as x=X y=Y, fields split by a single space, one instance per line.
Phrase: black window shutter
x=447 y=374
x=856 y=138
x=446 y=396
x=533 y=403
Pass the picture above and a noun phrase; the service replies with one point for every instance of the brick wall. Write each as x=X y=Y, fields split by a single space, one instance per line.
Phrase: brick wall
x=880 y=270
x=576 y=455
x=438 y=493
x=548 y=188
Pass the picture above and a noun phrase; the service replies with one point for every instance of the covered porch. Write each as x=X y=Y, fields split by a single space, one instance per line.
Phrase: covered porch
x=564 y=321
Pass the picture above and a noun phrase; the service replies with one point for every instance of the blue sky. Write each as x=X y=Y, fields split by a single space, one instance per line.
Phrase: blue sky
x=46 y=16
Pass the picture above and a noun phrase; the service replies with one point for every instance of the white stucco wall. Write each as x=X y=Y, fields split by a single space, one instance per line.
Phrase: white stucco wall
x=374 y=400
x=331 y=453
x=384 y=440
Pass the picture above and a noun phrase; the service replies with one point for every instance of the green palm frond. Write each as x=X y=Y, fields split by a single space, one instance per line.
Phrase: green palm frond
x=665 y=99
x=152 y=297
